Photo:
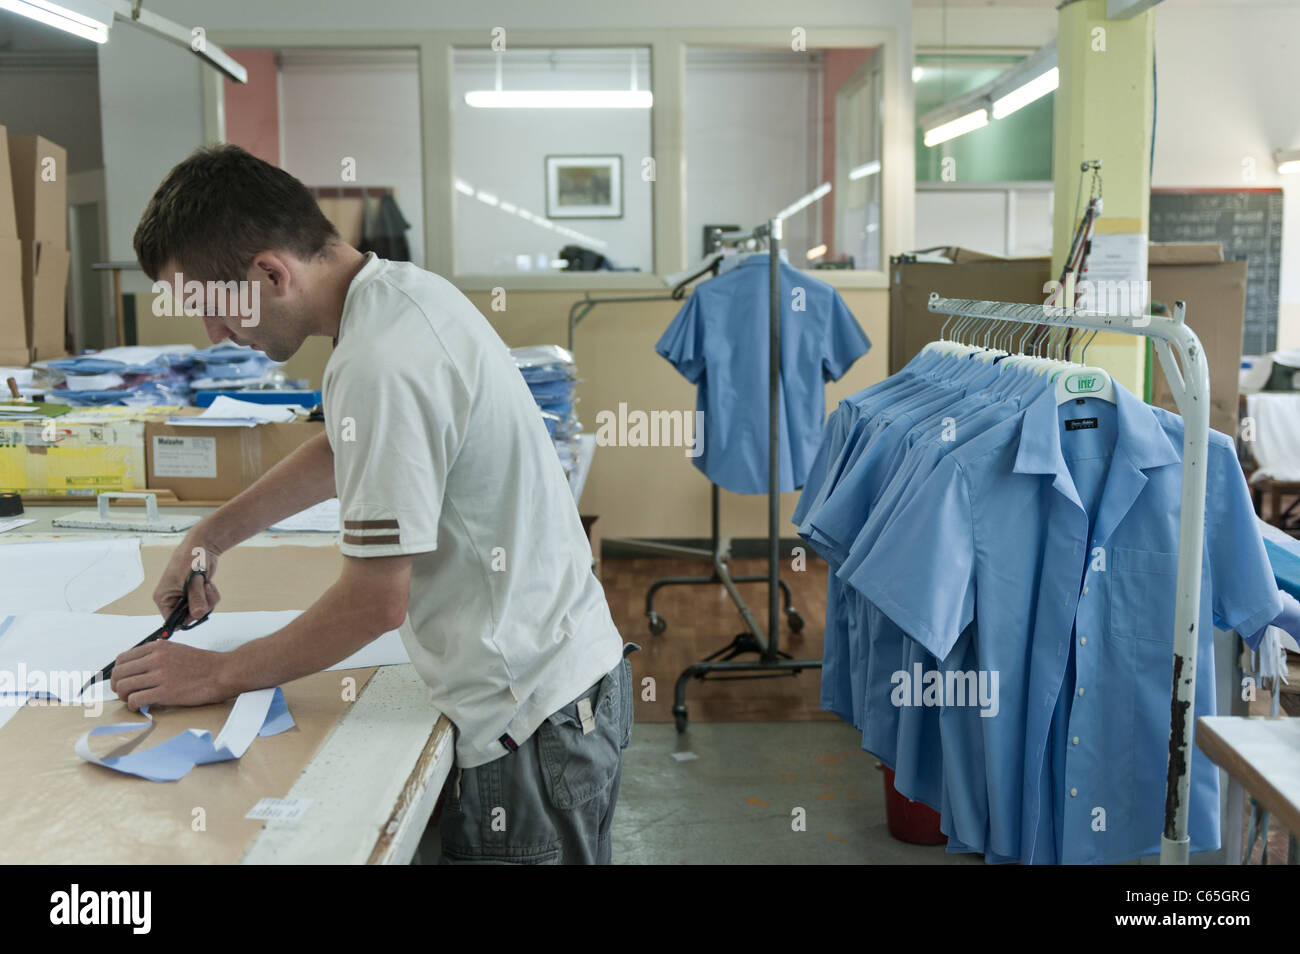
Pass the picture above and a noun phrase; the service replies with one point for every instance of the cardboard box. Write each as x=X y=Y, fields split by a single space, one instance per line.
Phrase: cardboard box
x=45 y=296
x=216 y=463
x=14 y=347
x=972 y=275
x=40 y=182
x=8 y=222
x=1215 y=292
x=89 y=453
x=1184 y=253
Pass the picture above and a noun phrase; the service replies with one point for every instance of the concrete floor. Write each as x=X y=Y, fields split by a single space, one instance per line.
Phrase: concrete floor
x=735 y=802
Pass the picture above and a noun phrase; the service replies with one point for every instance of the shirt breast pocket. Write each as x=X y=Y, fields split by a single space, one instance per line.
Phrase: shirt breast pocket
x=1143 y=586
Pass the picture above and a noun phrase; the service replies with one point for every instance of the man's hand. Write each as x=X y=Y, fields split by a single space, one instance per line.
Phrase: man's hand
x=170 y=674
x=190 y=555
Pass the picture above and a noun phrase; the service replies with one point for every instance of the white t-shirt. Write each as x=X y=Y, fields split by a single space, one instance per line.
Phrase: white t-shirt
x=440 y=452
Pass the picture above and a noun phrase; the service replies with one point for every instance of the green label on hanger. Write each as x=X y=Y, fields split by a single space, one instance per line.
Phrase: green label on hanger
x=1089 y=383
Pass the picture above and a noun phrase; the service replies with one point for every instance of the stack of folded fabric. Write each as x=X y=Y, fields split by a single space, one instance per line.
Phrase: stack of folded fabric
x=551 y=376
x=128 y=375
x=229 y=365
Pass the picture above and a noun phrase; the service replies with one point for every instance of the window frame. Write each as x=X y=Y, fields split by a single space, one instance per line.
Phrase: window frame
x=668 y=49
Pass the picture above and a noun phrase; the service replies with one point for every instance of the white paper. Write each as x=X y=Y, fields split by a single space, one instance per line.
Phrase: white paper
x=244 y=722
x=21 y=376
x=226 y=411
x=1116 y=271
x=279 y=809
x=185 y=456
x=323 y=517
x=56 y=652
x=72 y=575
x=13 y=523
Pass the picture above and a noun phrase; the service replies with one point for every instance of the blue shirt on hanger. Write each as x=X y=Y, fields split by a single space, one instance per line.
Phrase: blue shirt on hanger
x=1062 y=541
x=719 y=341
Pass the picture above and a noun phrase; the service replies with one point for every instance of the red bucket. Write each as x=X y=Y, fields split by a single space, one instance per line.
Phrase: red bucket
x=909 y=821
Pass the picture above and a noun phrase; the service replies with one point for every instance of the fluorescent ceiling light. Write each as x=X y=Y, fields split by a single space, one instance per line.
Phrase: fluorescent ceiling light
x=1034 y=76
x=560 y=99
x=817 y=251
x=1288 y=161
x=866 y=169
x=1036 y=88
x=973 y=120
x=806 y=201
x=88 y=20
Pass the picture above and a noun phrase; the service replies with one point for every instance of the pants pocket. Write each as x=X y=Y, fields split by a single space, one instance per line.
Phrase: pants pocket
x=626 y=693
x=577 y=767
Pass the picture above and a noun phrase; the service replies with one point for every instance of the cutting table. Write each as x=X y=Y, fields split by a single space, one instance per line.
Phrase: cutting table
x=370 y=751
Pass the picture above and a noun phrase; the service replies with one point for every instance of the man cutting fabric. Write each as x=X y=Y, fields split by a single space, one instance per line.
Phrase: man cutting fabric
x=458 y=526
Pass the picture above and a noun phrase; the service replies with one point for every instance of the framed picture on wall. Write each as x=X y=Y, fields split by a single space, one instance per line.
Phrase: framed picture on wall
x=584 y=187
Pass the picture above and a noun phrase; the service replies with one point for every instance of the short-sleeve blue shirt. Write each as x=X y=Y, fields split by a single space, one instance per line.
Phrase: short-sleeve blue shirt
x=719 y=341
x=1063 y=543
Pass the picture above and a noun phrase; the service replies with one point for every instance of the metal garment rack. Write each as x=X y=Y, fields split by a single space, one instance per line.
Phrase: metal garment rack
x=719 y=549
x=1190 y=385
x=772 y=662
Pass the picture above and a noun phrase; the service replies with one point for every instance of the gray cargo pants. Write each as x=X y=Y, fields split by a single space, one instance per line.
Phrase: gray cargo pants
x=551 y=801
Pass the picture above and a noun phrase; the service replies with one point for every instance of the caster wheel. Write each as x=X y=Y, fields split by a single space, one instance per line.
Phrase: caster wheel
x=795 y=621
x=657 y=623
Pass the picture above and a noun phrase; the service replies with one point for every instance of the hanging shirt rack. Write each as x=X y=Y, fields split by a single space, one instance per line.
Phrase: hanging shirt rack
x=1183 y=360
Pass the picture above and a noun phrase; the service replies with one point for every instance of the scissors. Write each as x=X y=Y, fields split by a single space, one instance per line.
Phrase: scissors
x=175 y=620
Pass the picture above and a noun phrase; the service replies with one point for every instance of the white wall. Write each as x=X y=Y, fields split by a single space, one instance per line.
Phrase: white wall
x=151 y=118
x=503 y=151
x=1226 y=90
x=752 y=133
x=367 y=113
x=1227 y=75
x=151 y=96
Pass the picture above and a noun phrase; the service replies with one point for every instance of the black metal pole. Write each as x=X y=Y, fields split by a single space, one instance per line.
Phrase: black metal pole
x=774 y=437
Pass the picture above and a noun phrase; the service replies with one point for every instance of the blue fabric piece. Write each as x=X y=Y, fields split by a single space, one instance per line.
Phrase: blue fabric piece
x=1286 y=565
x=719 y=341
x=174 y=758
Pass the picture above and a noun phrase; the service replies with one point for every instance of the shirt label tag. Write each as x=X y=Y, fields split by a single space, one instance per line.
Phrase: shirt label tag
x=1081 y=424
x=584 y=713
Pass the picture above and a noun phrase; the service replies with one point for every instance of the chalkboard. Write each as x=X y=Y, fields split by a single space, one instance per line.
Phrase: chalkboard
x=1249 y=224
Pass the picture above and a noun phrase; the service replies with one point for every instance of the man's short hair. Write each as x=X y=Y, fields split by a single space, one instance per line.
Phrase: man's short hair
x=220 y=207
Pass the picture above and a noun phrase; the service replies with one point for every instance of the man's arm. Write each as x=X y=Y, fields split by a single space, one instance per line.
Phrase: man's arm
x=304 y=478
x=368 y=599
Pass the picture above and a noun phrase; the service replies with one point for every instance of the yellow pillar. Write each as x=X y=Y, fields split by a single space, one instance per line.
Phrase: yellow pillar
x=1103 y=111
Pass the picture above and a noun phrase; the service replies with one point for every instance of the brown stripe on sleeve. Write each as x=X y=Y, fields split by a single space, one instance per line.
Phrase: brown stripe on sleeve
x=369 y=524
x=356 y=538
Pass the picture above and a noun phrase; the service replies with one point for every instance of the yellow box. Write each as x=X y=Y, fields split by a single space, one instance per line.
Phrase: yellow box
x=81 y=454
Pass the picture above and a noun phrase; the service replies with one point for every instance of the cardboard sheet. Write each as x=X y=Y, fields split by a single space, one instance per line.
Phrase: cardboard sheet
x=55 y=808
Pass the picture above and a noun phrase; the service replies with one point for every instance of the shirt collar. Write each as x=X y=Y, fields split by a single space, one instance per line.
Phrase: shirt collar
x=370 y=269
x=1140 y=437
